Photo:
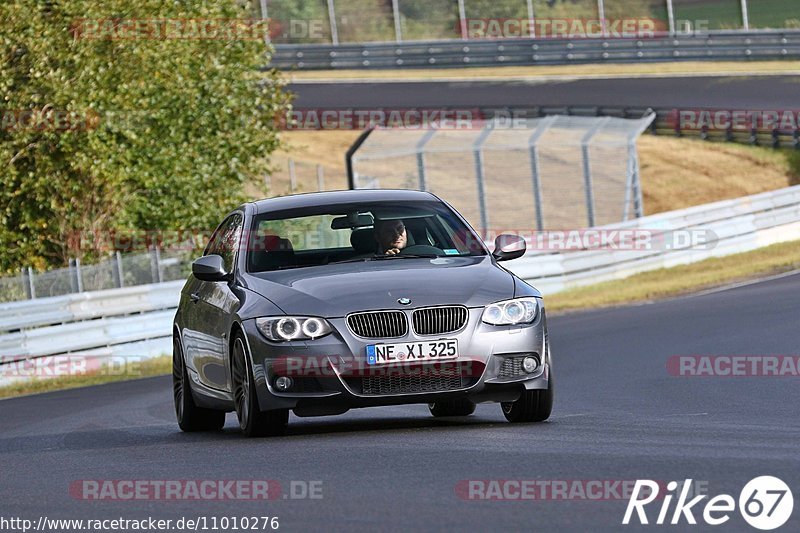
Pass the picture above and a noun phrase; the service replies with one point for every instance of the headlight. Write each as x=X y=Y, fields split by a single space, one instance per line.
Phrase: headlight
x=510 y=312
x=293 y=328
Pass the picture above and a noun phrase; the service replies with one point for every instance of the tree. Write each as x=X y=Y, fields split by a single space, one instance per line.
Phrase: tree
x=156 y=130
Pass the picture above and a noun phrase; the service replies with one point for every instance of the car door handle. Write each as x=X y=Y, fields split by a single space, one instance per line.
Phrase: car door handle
x=195 y=297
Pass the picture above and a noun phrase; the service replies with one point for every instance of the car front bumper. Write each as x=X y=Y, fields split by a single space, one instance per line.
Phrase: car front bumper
x=331 y=375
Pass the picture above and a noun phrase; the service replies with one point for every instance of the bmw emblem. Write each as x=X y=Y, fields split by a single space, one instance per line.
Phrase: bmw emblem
x=404 y=301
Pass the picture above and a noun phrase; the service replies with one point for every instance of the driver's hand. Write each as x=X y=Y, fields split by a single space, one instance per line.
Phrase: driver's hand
x=392 y=251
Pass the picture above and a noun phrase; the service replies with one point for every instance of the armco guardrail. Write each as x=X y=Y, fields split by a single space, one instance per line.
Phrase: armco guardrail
x=138 y=320
x=711 y=46
x=737 y=225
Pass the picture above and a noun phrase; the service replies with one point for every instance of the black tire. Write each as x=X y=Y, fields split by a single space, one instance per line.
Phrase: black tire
x=252 y=420
x=532 y=406
x=452 y=408
x=190 y=416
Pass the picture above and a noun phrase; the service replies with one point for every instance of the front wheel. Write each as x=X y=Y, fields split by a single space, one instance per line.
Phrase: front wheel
x=190 y=416
x=252 y=421
x=532 y=406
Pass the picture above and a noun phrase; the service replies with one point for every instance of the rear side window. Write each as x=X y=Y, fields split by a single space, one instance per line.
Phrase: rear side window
x=225 y=241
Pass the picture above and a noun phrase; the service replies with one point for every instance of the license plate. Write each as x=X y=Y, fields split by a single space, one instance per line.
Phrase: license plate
x=381 y=354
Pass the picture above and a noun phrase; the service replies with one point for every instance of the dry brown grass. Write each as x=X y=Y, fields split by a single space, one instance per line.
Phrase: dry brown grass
x=676 y=172
x=510 y=72
x=679 y=173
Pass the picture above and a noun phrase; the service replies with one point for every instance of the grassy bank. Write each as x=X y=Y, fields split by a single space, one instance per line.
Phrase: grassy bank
x=675 y=281
x=150 y=367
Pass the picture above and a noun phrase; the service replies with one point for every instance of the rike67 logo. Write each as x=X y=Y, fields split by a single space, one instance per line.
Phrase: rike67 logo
x=765 y=503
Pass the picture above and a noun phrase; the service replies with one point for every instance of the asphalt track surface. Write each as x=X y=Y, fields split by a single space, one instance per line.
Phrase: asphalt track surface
x=727 y=92
x=619 y=415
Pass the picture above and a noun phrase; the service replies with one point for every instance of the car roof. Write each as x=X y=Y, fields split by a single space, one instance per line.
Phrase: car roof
x=297 y=201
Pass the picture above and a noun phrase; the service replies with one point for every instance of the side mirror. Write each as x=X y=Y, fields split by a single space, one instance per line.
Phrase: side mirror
x=209 y=268
x=508 y=247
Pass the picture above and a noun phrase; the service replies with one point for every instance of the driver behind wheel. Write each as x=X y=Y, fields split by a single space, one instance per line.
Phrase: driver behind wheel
x=391 y=236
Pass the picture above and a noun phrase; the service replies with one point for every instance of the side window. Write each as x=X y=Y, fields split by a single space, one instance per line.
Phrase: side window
x=225 y=241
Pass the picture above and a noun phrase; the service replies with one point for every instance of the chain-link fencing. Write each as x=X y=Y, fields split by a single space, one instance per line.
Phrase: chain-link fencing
x=553 y=172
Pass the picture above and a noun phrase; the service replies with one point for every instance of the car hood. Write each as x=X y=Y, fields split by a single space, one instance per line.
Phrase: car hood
x=336 y=290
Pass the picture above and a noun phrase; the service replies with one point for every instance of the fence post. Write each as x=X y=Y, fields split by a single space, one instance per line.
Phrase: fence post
x=264 y=16
x=292 y=177
x=73 y=276
x=320 y=178
x=587 y=169
x=462 y=19
x=671 y=17
x=745 y=15
x=531 y=20
x=155 y=264
x=398 y=32
x=533 y=147
x=120 y=272
x=601 y=14
x=332 y=20
x=78 y=278
x=477 y=149
x=31 y=286
x=23 y=276
x=422 y=175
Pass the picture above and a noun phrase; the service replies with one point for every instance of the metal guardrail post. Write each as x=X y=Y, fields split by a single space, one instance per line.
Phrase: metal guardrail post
x=332 y=20
x=477 y=149
x=533 y=148
x=421 y=170
x=587 y=169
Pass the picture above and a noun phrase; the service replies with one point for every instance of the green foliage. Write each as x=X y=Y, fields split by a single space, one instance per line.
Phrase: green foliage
x=162 y=134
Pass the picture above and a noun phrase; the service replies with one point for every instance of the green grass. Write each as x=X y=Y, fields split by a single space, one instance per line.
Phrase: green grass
x=670 y=282
x=146 y=368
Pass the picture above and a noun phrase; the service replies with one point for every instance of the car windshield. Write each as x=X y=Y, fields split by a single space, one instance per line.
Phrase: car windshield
x=324 y=235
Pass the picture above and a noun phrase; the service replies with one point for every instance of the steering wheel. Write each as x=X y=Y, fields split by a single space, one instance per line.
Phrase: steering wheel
x=421 y=249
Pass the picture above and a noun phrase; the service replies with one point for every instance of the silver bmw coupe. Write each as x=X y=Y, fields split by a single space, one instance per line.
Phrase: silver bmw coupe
x=324 y=302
